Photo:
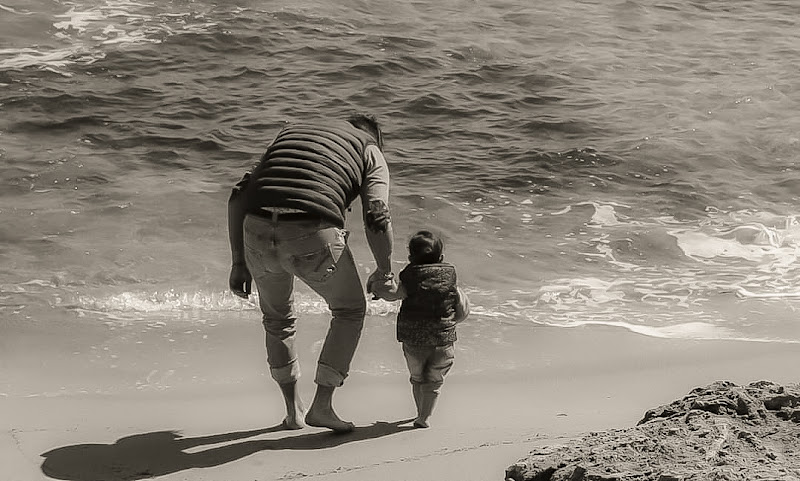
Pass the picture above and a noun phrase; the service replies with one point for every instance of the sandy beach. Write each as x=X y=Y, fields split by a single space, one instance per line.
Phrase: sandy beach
x=590 y=378
x=617 y=184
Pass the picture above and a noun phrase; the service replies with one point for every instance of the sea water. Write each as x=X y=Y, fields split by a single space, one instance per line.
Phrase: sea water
x=624 y=164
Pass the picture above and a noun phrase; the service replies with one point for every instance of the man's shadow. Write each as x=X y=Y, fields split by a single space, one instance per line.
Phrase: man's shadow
x=158 y=453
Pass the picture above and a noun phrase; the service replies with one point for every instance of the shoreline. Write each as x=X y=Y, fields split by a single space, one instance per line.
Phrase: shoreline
x=583 y=380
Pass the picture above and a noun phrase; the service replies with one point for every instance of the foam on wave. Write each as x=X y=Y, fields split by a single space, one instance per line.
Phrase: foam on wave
x=83 y=32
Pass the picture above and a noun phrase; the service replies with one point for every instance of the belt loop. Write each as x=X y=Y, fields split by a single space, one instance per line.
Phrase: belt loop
x=274 y=216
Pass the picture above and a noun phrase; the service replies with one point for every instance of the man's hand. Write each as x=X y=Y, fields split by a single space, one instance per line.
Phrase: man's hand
x=240 y=280
x=382 y=286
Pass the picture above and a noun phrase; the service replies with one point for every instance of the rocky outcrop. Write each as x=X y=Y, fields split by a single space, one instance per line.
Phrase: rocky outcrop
x=722 y=432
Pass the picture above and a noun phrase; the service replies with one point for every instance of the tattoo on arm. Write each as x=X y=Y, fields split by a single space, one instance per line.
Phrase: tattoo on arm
x=377 y=217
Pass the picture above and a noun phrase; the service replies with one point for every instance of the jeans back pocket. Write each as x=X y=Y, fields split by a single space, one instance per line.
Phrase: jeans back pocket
x=319 y=265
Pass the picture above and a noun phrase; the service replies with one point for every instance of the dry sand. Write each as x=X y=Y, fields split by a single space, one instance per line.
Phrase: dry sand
x=590 y=378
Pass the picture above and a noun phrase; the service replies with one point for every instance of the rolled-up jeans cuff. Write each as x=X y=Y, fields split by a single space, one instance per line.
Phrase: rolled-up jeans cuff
x=286 y=374
x=328 y=376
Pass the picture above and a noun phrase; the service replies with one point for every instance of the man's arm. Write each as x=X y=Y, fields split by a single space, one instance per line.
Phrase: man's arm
x=240 y=279
x=378 y=222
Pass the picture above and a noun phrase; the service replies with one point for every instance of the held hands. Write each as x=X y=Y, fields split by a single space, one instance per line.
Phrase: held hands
x=240 y=280
x=382 y=286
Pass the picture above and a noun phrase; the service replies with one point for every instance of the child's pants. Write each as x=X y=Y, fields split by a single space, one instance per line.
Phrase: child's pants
x=429 y=364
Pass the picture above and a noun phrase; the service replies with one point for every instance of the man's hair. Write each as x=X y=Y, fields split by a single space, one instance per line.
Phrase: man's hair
x=369 y=124
x=425 y=248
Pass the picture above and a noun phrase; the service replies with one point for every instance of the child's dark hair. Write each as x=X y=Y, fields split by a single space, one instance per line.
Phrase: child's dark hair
x=368 y=123
x=425 y=248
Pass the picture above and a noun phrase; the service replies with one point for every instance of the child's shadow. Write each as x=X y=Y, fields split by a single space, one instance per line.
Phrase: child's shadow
x=158 y=453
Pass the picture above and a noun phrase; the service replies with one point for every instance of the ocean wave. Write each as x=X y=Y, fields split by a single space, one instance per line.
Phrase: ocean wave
x=242 y=73
x=752 y=241
x=86 y=32
x=137 y=302
x=535 y=127
x=401 y=65
x=170 y=300
x=699 y=331
x=655 y=307
x=55 y=106
x=206 y=38
x=170 y=143
x=15 y=11
x=49 y=124
x=625 y=304
x=596 y=302
x=20 y=58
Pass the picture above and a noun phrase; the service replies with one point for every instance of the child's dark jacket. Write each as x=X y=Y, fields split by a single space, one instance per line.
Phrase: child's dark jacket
x=427 y=314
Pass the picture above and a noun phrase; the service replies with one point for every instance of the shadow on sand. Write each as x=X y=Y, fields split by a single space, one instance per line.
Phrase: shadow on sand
x=159 y=453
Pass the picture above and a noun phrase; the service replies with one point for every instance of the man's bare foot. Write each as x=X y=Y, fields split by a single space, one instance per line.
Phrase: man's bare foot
x=295 y=410
x=328 y=419
x=421 y=423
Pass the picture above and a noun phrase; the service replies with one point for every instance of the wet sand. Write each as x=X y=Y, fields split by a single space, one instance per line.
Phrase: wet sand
x=585 y=379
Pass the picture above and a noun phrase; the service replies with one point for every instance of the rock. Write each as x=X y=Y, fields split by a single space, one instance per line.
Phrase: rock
x=516 y=472
x=717 y=432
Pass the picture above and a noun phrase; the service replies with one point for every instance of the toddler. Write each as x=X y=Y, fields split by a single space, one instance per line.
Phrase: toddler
x=426 y=325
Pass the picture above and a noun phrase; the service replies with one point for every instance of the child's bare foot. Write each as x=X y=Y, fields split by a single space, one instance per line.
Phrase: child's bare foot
x=326 y=418
x=421 y=423
x=293 y=422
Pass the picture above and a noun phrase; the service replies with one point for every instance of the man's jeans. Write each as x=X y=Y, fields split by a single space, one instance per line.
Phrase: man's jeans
x=315 y=251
